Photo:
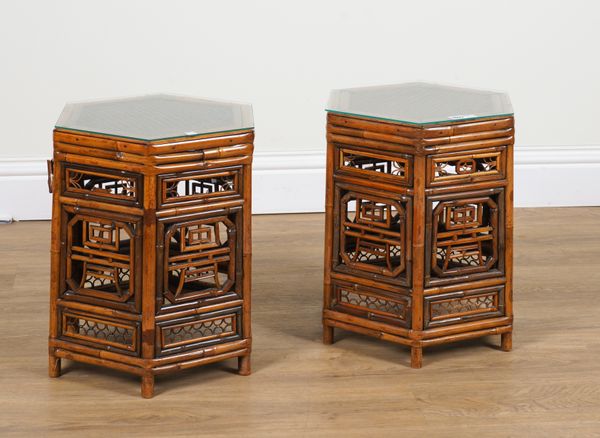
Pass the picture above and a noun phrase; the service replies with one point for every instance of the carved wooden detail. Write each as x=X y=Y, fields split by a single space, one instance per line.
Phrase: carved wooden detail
x=103 y=184
x=102 y=253
x=418 y=230
x=452 y=308
x=198 y=186
x=198 y=259
x=464 y=167
x=374 y=304
x=151 y=255
x=109 y=334
x=192 y=331
x=203 y=330
x=373 y=235
x=465 y=237
x=396 y=168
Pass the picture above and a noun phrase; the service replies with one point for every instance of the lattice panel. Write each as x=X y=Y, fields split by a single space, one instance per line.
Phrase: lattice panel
x=101 y=257
x=204 y=330
x=373 y=234
x=199 y=186
x=94 y=183
x=199 y=259
x=465 y=236
x=376 y=303
x=462 y=306
x=106 y=333
x=369 y=164
x=455 y=168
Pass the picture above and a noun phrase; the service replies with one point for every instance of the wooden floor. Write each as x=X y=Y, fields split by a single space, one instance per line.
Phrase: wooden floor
x=549 y=385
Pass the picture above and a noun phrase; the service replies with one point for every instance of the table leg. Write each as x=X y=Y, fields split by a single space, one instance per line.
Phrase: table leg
x=147 y=385
x=244 y=365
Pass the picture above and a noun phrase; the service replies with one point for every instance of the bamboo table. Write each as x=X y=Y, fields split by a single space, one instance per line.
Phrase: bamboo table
x=151 y=235
x=419 y=221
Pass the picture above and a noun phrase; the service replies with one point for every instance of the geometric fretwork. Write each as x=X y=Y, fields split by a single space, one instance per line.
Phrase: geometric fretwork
x=461 y=306
x=100 y=256
x=93 y=183
x=203 y=330
x=465 y=236
x=366 y=163
x=363 y=300
x=469 y=305
x=373 y=234
x=465 y=166
x=98 y=330
x=197 y=187
x=199 y=259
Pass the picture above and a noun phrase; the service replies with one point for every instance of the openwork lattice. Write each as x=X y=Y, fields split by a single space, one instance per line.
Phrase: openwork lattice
x=196 y=187
x=366 y=163
x=457 y=167
x=199 y=259
x=462 y=306
x=101 y=257
x=101 y=184
x=99 y=331
x=418 y=223
x=373 y=234
x=465 y=236
x=376 y=303
x=151 y=243
x=194 y=331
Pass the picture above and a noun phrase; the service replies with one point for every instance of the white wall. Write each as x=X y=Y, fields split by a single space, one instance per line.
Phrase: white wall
x=284 y=57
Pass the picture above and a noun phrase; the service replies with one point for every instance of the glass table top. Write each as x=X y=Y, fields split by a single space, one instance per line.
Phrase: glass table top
x=156 y=117
x=419 y=103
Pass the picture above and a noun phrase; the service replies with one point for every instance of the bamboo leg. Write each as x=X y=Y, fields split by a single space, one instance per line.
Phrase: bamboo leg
x=506 y=341
x=327 y=334
x=416 y=357
x=147 y=386
x=244 y=365
x=53 y=366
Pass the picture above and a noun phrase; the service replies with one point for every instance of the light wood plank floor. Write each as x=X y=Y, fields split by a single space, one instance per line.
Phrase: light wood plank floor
x=549 y=385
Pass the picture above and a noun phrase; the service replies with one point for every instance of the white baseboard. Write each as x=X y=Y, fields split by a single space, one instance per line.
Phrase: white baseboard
x=294 y=182
x=24 y=189
x=557 y=176
x=288 y=182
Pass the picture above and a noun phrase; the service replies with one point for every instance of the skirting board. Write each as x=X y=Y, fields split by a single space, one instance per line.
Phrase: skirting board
x=294 y=182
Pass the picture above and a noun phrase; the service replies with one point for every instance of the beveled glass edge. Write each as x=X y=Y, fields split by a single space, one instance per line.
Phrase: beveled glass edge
x=139 y=96
x=153 y=139
x=406 y=122
x=69 y=106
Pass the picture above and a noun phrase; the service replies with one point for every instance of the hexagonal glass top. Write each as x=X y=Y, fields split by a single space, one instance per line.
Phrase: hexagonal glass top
x=156 y=117
x=419 y=103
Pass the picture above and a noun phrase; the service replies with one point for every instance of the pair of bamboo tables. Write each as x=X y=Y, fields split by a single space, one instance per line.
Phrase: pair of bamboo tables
x=151 y=226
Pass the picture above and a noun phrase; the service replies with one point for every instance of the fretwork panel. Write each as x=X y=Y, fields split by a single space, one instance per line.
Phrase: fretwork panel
x=198 y=331
x=199 y=259
x=194 y=187
x=102 y=184
x=373 y=240
x=460 y=168
x=396 y=169
x=465 y=236
x=102 y=254
x=461 y=306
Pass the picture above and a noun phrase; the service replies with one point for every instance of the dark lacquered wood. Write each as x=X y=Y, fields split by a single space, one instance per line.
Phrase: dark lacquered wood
x=449 y=190
x=137 y=254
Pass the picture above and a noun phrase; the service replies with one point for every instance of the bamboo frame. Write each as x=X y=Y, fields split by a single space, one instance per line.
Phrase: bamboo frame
x=143 y=319
x=463 y=168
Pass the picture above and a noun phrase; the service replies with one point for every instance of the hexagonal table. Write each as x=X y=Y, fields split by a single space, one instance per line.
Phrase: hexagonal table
x=151 y=235
x=418 y=246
